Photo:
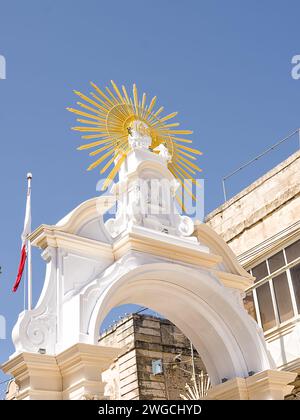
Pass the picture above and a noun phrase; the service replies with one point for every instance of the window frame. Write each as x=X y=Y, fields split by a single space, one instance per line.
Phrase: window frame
x=269 y=278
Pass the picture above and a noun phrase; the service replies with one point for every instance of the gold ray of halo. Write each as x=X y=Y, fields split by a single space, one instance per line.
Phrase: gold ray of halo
x=187 y=176
x=89 y=108
x=126 y=94
x=96 y=152
x=179 y=140
x=94 y=144
x=182 y=181
x=186 y=154
x=109 y=113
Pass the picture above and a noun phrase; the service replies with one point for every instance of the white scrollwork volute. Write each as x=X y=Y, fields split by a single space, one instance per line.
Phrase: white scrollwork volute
x=40 y=330
x=36 y=328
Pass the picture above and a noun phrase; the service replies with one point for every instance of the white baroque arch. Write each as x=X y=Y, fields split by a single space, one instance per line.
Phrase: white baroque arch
x=222 y=332
x=147 y=254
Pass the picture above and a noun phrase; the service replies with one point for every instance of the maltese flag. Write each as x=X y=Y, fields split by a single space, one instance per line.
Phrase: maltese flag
x=25 y=234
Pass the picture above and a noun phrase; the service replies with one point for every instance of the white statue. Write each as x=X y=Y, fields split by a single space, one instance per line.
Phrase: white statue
x=163 y=152
x=139 y=135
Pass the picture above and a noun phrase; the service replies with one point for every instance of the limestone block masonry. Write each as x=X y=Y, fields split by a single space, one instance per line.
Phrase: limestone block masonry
x=148 y=339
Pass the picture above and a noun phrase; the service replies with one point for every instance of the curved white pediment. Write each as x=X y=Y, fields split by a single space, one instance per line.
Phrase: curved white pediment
x=87 y=219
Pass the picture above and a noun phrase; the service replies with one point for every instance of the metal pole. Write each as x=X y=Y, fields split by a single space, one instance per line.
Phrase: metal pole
x=29 y=266
x=193 y=362
x=224 y=189
x=24 y=292
x=258 y=157
x=29 y=276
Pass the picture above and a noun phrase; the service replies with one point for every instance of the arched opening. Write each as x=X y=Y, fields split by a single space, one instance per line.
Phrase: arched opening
x=157 y=360
x=219 y=328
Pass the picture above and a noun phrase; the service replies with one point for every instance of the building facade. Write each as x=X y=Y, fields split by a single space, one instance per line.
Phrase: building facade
x=262 y=226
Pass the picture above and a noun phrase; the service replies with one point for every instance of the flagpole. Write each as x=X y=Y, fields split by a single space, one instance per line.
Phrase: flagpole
x=24 y=292
x=29 y=266
x=29 y=276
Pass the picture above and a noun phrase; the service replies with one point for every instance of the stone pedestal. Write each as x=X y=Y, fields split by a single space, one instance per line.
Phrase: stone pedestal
x=74 y=374
x=266 y=385
x=270 y=385
x=234 y=389
x=37 y=376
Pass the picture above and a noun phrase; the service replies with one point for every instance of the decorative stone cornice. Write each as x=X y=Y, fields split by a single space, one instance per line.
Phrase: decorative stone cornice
x=51 y=236
x=293 y=366
x=166 y=246
x=270 y=385
x=234 y=281
x=85 y=354
x=280 y=332
x=37 y=376
x=136 y=239
x=217 y=245
x=73 y=374
x=266 y=385
x=20 y=364
x=234 y=389
x=272 y=245
x=89 y=209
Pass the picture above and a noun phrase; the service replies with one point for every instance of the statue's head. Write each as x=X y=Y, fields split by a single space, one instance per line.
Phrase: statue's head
x=139 y=135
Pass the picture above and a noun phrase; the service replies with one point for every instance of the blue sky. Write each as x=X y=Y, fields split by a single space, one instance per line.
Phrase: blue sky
x=225 y=66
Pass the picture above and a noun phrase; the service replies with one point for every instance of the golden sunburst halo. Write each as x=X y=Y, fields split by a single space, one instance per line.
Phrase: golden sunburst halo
x=107 y=116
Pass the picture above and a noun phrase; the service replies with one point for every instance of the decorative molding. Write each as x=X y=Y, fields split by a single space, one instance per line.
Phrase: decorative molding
x=72 y=374
x=166 y=246
x=86 y=211
x=233 y=280
x=270 y=385
x=266 y=385
x=206 y=235
x=46 y=235
x=234 y=389
x=37 y=376
x=37 y=328
x=269 y=247
x=293 y=366
x=281 y=331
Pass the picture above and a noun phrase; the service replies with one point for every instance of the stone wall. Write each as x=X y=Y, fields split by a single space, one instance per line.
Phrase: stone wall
x=147 y=338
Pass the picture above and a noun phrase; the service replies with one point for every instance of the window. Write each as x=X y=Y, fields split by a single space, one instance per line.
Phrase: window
x=283 y=297
x=266 y=310
x=276 y=262
x=157 y=367
x=293 y=251
x=295 y=275
x=260 y=271
x=275 y=296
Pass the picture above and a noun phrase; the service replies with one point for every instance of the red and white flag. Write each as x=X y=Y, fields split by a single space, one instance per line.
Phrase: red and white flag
x=24 y=237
